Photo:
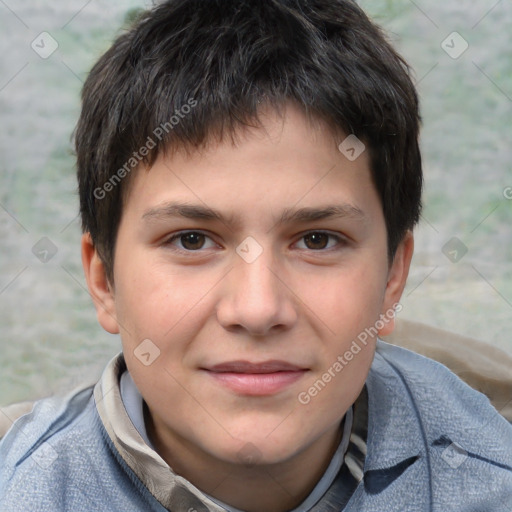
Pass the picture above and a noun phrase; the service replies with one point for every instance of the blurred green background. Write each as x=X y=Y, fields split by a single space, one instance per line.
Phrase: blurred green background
x=50 y=339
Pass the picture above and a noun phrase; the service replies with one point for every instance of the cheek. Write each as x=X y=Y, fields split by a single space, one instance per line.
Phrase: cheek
x=150 y=299
x=168 y=309
x=349 y=299
x=330 y=393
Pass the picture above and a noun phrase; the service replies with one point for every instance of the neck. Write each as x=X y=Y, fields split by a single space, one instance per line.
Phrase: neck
x=271 y=487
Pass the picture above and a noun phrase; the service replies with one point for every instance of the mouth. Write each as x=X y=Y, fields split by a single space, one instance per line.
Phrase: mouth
x=256 y=379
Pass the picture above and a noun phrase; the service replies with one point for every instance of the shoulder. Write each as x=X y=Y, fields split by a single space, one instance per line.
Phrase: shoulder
x=45 y=453
x=10 y=413
x=439 y=395
x=30 y=439
x=483 y=366
x=419 y=408
x=47 y=419
x=59 y=458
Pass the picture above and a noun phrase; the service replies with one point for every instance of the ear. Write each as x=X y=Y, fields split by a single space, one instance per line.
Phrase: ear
x=99 y=287
x=397 y=277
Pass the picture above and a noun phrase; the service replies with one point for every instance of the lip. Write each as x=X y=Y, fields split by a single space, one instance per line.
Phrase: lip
x=256 y=379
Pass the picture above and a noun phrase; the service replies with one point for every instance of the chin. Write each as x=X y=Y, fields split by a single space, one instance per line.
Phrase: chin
x=250 y=447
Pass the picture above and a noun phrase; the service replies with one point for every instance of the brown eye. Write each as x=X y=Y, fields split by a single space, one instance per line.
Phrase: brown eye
x=316 y=240
x=320 y=240
x=189 y=241
x=192 y=241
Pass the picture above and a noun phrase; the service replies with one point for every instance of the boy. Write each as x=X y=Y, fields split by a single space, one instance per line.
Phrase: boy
x=249 y=177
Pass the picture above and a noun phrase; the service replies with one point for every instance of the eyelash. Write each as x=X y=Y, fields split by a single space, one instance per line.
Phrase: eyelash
x=341 y=241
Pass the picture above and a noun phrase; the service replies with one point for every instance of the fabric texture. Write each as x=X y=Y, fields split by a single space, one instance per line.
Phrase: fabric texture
x=432 y=444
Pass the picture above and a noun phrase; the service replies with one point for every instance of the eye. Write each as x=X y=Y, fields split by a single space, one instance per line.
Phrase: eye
x=319 y=240
x=190 y=241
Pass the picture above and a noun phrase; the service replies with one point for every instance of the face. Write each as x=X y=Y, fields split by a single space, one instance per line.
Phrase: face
x=251 y=269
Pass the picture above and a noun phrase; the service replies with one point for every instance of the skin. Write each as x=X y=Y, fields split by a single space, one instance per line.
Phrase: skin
x=303 y=300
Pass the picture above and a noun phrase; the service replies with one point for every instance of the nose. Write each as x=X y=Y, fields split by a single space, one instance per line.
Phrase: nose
x=255 y=298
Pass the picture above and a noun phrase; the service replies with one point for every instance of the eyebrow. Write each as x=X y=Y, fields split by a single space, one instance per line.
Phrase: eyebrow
x=201 y=212
x=308 y=214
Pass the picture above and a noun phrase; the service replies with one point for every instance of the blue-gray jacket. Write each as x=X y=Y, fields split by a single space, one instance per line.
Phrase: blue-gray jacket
x=433 y=444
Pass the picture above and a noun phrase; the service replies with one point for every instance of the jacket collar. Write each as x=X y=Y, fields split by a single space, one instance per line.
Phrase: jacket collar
x=170 y=489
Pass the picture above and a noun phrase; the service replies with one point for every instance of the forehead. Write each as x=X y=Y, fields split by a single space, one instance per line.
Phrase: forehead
x=288 y=160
